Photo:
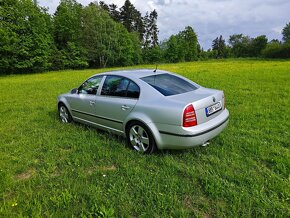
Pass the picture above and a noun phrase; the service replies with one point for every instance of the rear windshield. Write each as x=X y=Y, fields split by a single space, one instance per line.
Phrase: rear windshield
x=168 y=84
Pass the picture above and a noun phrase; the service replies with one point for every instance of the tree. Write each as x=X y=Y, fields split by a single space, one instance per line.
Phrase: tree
x=276 y=49
x=151 y=29
x=172 y=50
x=131 y=18
x=75 y=37
x=25 y=37
x=114 y=12
x=286 y=33
x=137 y=51
x=275 y=40
x=151 y=50
x=240 y=45
x=181 y=47
x=128 y=15
x=257 y=45
x=112 y=9
x=68 y=52
x=219 y=46
x=187 y=40
x=67 y=23
x=107 y=42
x=244 y=46
x=104 y=6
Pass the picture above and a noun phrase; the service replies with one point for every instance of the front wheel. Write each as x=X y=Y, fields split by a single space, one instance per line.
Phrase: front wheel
x=140 y=138
x=64 y=114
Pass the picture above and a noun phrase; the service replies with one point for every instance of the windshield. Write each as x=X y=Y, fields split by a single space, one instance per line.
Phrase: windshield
x=168 y=84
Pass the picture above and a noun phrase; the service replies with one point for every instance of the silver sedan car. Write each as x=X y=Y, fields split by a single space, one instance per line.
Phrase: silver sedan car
x=153 y=109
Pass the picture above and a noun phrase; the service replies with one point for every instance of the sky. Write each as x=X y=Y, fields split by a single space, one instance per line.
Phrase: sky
x=210 y=18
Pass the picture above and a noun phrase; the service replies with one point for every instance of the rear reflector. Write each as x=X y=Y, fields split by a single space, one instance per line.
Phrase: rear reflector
x=189 y=116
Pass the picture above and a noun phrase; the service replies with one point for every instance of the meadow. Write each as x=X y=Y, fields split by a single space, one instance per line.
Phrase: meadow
x=48 y=169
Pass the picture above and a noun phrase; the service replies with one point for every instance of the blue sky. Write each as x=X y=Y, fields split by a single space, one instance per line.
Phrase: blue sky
x=211 y=18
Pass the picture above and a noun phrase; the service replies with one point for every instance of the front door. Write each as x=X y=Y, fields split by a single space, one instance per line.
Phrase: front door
x=83 y=103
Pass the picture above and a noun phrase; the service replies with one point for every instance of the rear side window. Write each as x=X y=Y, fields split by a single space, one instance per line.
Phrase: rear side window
x=133 y=90
x=121 y=87
x=168 y=84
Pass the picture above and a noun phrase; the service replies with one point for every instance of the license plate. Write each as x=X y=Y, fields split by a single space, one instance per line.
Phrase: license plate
x=212 y=109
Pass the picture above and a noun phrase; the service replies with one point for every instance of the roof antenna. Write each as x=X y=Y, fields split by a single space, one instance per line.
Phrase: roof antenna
x=155 y=69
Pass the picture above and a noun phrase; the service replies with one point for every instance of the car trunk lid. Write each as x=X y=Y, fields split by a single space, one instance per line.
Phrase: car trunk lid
x=207 y=103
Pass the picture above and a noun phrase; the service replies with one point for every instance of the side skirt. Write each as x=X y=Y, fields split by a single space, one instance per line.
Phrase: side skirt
x=99 y=126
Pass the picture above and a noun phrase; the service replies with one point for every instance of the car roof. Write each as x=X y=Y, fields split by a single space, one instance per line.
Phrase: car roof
x=134 y=73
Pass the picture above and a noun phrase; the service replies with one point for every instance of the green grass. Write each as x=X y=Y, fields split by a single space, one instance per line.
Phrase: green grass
x=54 y=170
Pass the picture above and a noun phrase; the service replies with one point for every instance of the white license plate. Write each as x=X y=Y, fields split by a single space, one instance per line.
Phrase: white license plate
x=212 y=109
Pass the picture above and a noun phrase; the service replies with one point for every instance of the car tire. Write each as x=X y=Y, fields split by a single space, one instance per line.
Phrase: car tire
x=64 y=114
x=140 y=138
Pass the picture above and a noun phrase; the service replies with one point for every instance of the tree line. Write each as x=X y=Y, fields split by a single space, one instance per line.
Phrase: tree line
x=102 y=35
x=243 y=46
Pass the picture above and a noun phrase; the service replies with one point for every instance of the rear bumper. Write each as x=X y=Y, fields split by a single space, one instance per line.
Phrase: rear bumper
x=177 y=137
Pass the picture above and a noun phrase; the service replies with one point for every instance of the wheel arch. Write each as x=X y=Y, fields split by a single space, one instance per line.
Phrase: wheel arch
x=59 y=104
x=148 y=123
x=63 y=100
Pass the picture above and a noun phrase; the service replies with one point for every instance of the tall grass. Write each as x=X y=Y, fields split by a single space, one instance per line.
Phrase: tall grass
x=53 y=170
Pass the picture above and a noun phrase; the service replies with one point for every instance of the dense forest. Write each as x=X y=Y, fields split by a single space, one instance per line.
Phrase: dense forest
x=102 y=35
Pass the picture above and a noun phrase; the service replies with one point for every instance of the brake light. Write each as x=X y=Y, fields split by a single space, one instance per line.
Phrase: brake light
x=189 y=116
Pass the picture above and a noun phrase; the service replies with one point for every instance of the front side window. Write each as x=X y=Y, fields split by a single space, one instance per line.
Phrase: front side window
x=168 y=84
x=90 y=86
x=120 y=86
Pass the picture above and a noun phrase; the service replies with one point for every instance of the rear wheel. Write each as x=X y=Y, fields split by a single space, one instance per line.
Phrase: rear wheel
x=140 y=138
x=64 y=114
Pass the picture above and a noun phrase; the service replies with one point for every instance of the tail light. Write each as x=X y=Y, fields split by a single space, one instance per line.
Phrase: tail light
x=189 y=116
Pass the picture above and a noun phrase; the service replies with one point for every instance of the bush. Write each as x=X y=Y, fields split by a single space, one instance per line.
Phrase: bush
x=277 y=50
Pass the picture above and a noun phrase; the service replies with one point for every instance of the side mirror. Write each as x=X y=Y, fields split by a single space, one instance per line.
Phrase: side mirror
x=74 y=91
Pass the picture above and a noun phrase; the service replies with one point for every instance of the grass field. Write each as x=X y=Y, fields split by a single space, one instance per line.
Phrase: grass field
x=49 y=169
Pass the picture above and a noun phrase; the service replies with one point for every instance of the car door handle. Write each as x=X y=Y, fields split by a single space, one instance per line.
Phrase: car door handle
x=92 y=102
x=125 y=107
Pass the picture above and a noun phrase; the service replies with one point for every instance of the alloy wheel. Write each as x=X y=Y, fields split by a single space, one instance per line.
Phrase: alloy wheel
x=139 y=138
x=64 y=114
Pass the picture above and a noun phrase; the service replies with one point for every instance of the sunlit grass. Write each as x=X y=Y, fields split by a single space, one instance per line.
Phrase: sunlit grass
x=55 y=170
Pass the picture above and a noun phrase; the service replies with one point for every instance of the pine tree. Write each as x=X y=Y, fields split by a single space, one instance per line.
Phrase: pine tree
x=286 y=33
x=114 y=12
x=104 y=6
x=151 y=30
x=219 y=46
x=131 y=18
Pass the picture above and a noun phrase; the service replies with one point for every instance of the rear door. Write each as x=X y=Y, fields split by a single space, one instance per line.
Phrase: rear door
x=118 y=97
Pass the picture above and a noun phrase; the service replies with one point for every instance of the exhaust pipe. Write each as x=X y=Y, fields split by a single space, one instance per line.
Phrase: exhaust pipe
x=205 y=144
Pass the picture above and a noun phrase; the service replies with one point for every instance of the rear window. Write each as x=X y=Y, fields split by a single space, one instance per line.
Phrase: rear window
x=168 y=84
